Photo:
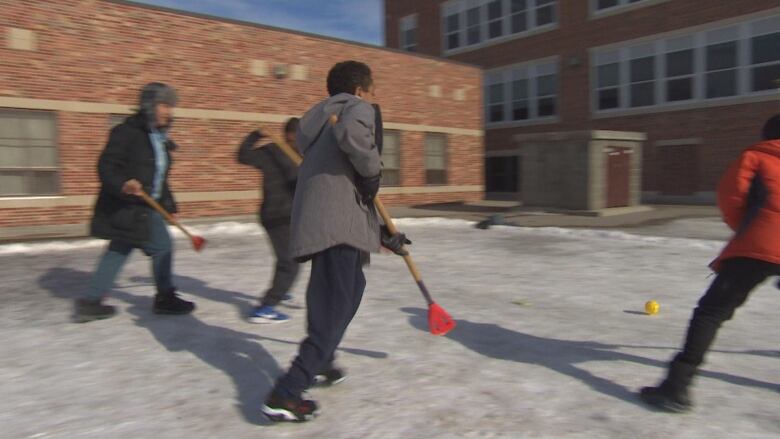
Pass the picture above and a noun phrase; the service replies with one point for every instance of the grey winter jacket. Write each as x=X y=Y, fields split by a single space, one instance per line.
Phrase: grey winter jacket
x=327 y=209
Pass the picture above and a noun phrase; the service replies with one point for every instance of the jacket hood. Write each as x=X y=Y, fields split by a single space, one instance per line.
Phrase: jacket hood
x=768 y=147
x=313 y=122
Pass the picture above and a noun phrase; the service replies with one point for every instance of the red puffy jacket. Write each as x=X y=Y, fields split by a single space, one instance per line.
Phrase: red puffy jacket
x=749 y=199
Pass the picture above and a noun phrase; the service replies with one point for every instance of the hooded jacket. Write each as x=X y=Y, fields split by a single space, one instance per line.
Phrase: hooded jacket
x=328 y=210
x=749 y=200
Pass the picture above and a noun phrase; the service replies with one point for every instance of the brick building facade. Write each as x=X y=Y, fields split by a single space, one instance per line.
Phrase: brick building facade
x=72 y=68
x=696 y=75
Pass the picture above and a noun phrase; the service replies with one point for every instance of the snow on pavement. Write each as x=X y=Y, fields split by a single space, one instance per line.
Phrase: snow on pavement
x=550 y=343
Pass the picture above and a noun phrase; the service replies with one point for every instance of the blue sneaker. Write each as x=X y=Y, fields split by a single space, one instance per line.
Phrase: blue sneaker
x=267 y=314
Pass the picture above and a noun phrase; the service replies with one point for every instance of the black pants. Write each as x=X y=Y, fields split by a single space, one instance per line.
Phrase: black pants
x=286 y=268
x=333 y=297
x=737 y=278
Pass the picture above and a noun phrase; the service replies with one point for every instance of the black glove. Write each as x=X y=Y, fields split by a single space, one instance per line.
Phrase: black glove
x=368 y=187
x=378 y=128
x=395 y=243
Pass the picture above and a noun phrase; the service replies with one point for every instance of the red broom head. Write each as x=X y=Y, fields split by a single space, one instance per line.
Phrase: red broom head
x=198 y=242
x=439 y=321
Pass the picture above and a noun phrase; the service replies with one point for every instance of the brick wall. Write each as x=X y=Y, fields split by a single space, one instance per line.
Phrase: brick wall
x=101 y=52
x=724 y=130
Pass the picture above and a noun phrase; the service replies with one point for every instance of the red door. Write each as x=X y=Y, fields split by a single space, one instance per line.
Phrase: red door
x=618 y=176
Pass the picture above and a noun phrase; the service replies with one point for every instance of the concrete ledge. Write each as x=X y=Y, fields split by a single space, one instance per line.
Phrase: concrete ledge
x=581 y=135
x=601 y=213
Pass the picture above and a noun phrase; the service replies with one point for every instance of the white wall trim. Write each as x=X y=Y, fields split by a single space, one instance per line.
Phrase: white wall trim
x=196 y=113
x=596 y=14
x=679 y=142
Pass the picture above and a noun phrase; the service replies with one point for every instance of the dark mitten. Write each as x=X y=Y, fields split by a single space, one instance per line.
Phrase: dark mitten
x=395 y=243
x=368 y=187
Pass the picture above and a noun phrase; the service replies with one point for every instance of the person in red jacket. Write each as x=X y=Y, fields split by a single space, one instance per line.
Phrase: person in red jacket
x=749 y=199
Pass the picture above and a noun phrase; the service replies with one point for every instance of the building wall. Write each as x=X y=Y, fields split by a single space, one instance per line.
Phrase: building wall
x=85 y=60
x=715 y=132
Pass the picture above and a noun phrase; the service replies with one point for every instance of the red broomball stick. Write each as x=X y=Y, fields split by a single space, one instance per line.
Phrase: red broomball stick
x=439 y=321
x=197 y=241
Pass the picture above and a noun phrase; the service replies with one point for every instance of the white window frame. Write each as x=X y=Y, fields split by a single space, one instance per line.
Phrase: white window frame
x=699 y=38
x=672 y=46
x=621 y=7
x=406 y=24
x=531 y=71
x=461 y=8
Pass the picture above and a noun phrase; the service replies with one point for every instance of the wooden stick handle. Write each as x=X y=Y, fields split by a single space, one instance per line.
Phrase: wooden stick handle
x=168 y=217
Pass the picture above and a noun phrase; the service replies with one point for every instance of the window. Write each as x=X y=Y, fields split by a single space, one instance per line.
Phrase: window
x=452 y=28
x=545 y=12
x=495 y=19
x=608 y=85
x=391 y=158
x=495 y=97
x=679 y=75
x=522 y=92
x=408 y=33
x=519 y=17
x=642 y=76
x=478 y=22
x=28 y=154
x=435 y=158
x=601 y=5
x=720 y=63
x=765 y=55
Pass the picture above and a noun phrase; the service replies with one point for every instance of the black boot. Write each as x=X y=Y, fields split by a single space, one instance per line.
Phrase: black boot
x=87 y=310
x=672 y=394
x=170 y=303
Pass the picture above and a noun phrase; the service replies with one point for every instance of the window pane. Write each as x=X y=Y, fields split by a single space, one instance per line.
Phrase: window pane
x=764 y=77
x=435 y=177
x=679 y=89
x=609 y=75
x=545 y=85
x=12 y=157
x=643 y=69
x=519 y=5
x=546 y=107
x=720 y=84
x=43 y=183
x=453 y=23
x=609 y=98
x=494 y=10
x=496 y=93
x=604 y=4
x=41 y=157
x=519 y=89
x=391 y=177
x=14 y=183
x=766 y=48
x=497 y=113
x=642 y=94
x=453 y=41
x=495 y=30
x=679 y=63
x=545 y=15
x=436 y=162
x=10 y=128
x=472 y=17
x=410 y=38
x=473 y=35
x=435 y=152
x=519 y=22
x=722 y=56
x=40 y=128
x=520 y=110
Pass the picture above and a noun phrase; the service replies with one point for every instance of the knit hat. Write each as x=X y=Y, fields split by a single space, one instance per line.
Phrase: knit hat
x=153 y=94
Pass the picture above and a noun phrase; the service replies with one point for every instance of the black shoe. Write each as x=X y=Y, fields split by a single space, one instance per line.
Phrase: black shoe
x=665 y=400
x=330 y=378
x=289 y=409
x=170 y=303
x=87 y=310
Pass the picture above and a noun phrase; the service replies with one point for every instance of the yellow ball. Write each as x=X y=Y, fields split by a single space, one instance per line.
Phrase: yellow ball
x=652 y=307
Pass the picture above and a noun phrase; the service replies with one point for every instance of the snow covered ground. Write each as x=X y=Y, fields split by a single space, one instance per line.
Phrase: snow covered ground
x=550 y=343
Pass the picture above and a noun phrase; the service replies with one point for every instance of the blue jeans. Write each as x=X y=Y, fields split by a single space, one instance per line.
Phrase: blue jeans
x=159 y=248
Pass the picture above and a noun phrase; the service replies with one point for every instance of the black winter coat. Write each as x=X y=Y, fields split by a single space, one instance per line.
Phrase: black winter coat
x=279 y=177
x=129 y=154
